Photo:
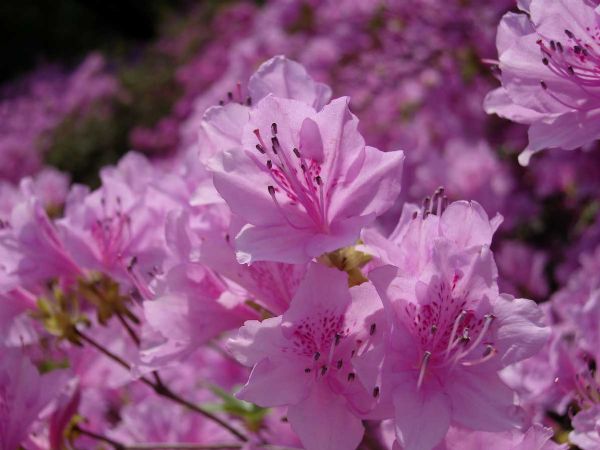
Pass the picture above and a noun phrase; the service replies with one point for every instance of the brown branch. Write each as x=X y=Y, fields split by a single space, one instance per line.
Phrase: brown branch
x=162 y=389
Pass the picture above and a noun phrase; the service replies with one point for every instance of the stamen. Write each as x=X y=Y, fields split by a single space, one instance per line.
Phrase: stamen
x=274 y=128
x=376 y=391
x=260 y=148
x=339 y=364
x=259 y=137
x=489 y=353
x=424 y=362
x=317 y=356
x=296 y=152
x=489 y=318
x=238 y=90
x=307 y=370
x=351 y=376
x=425 y=207
x=457 y=322
x=280 y=209
x=372 y=330
x=275 y=144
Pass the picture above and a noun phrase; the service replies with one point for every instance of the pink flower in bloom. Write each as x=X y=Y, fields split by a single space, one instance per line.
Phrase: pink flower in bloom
x=451 y=331
x=23 y=395
x=535 y=438
x=549 y=62
x=192 y=306
x=586 y=433
x=303 y=359
x=31 y=249
x=304 y=181
x=222 y=126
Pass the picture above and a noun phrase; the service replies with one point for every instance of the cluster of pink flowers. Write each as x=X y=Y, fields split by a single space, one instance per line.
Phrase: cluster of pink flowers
x=304 y=270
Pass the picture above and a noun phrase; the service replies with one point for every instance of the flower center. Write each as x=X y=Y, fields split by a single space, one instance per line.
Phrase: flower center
x=296 y=180
x=575 y=60
x=448 y=333
x=111 y=230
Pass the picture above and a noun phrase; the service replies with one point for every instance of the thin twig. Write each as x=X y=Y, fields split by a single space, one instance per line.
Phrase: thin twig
x=130 y=330
x=162 y=389
x=102 y=349
x=99 y=437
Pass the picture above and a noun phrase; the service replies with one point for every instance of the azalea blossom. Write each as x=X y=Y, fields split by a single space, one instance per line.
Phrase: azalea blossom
x=23 y=395
x=303 y=359
x=451 y=332
x=549 y=73
x=304 y=181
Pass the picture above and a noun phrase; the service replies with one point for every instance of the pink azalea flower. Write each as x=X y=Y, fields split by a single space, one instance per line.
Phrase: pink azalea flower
x=23 y=395
x=222 y=126
x=549 y=74
x=304 y=181
x=31 y=248
x=586 y=433
x=192 y=306
x=114 y=229
x=270 y=284
x=303 y=359
x=451 y=331
x=535 y=438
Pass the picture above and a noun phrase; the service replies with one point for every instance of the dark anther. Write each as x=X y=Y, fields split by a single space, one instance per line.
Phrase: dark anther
x=339 y=364
x=303 y=167
x=132 y=263
x=230 y=95
x=415 y=215
x=271 y=190
x=376 y=392
x=269 y=164
x=296 y=152
x=275 y=144
x=317 y=356
x=545 y=61
x=274 y=128
x=307 y=370
x=553 y=45
x=544 y=85
x=559 y=47
x=221 y=102
x=372 y=329
x=571 y=70
x=260 y=148
x=249 y=101
x=351 y=376
x=569 y=34
x=577 y=49
x=434 y=329
x=337 y=338
x=323 y=370
x=318 y=180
